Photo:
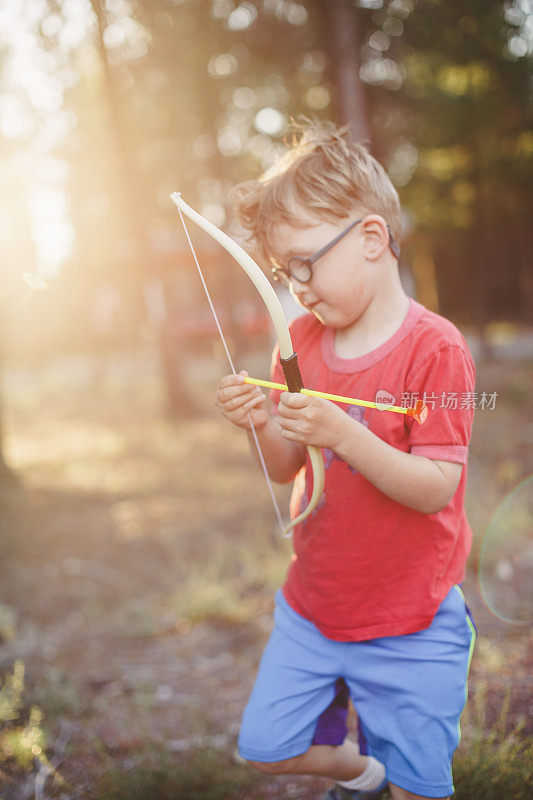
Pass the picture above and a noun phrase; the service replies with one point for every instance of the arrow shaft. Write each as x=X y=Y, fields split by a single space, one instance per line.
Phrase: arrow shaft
x=335 y=397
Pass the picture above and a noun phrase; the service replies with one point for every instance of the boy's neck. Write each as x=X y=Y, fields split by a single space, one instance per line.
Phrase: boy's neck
x=380 y=320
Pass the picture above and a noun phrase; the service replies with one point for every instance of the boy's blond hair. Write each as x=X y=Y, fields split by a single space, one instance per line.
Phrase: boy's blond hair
x=324 y=173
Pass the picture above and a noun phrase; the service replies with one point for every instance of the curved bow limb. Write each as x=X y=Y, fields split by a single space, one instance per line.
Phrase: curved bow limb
x=287 y=356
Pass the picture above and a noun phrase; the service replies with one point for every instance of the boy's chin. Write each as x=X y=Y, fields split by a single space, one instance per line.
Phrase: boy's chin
x=331 y=320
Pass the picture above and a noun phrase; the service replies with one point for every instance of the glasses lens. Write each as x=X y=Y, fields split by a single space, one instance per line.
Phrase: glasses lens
x=299 y=268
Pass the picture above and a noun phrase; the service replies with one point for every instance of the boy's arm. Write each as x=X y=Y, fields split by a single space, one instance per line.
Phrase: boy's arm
x=415 y=481
x=241 y=403
x=427 y=477
x=284 y=459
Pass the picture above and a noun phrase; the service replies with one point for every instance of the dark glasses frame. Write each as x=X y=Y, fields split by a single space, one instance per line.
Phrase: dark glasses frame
x=301 y=269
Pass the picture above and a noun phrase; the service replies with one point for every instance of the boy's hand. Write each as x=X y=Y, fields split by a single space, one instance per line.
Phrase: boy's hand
x=312 y=420
x=234 y=399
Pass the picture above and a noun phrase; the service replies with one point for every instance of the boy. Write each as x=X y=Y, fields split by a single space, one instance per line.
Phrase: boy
x=371 y=596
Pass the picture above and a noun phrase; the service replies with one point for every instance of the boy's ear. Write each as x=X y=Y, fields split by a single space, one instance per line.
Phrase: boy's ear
x=376 y=236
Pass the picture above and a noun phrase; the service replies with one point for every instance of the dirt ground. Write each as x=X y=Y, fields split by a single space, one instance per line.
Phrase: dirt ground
x=114 y=507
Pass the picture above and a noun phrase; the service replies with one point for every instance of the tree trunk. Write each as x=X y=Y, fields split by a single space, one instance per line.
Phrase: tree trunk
x=343 y=25
x=3 y=466
x=130 y=193
x=6 y=475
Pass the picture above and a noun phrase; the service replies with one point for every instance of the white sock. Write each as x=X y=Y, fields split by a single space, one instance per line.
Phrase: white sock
x=372 y=776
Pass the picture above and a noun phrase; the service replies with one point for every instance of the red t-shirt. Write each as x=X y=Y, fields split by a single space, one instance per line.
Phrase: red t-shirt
x=366 y=566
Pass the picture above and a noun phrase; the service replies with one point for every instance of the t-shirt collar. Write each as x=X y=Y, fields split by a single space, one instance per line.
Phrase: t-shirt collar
x=334 y=362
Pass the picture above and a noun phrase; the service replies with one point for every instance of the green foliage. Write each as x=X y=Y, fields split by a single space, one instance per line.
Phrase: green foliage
x=23 y=744
x=489 y=769
x=11 y=700
x=457 y=131
x=20 y=741
x=23 y=740
x=159 y=775
x=492 y=761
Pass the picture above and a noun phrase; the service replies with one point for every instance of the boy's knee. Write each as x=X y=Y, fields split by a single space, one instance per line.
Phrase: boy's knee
x=272 y=767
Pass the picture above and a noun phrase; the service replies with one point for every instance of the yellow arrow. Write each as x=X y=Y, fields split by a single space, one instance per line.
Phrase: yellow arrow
x=419 y=412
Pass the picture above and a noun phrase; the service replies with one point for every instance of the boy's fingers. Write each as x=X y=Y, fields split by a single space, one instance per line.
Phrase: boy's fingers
x=294 y=399
x=232 y=387
x=285 y=413
x=255 y=401
x=239 y=395
x=244 y=398
x=232 y=402
x=231 y=380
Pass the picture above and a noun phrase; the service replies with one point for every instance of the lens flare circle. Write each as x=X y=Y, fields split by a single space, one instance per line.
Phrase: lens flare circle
x=505 y=568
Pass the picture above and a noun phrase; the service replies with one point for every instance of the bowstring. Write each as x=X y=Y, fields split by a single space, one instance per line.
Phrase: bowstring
x=234 y=371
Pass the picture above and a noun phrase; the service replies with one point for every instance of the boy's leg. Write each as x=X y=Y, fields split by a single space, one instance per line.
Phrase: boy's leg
x=409 y=692
x=296 y=683
x=341 y=762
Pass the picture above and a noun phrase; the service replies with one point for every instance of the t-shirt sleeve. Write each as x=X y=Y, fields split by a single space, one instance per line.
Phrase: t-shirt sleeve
x=445 y=380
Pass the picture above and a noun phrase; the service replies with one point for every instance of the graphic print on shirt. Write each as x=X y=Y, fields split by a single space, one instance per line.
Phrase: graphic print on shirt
x=384 y=398
x=357 y=413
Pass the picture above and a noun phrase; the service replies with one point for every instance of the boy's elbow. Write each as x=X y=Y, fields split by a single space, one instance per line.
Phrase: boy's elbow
x=435 y=501
x=433 y=506
x=288 y=467
x=278 y=476
x=283 y=474
x=443 y=491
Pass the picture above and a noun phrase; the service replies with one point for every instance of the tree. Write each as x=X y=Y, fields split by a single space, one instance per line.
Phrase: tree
x=343 y=21
x=449 y=86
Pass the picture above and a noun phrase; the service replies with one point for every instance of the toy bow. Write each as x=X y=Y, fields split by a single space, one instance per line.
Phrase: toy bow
x=288 y=358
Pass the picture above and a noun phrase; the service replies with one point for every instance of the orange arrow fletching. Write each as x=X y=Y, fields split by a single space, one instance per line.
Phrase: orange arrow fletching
x=419 y=412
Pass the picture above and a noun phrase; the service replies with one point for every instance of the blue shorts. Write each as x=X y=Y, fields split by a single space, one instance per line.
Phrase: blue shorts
x=408 y=692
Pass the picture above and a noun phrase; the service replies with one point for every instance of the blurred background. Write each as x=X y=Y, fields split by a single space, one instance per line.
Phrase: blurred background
x=138 y=562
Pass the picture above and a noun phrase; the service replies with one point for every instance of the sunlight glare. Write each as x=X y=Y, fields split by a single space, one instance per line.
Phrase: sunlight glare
x=34 y=281
x=52 y=234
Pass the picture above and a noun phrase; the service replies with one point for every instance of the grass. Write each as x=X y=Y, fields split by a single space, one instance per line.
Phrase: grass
x=490 y=768
x=490 y=765
x=159 y=775
x=23 y=738
x=234 y=584
x=139 y=566
x=494 y=761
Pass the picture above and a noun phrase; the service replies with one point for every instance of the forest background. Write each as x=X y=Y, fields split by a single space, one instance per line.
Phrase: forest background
x=139 y=563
